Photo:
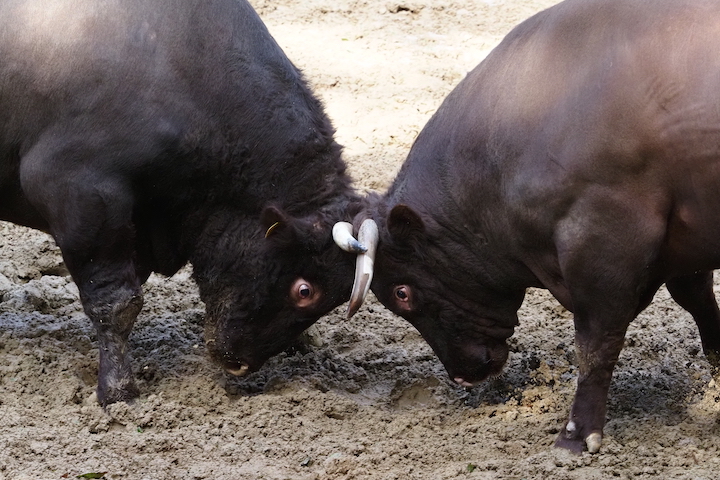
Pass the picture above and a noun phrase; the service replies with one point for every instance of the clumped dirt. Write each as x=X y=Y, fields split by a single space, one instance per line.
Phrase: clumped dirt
x=369 y=400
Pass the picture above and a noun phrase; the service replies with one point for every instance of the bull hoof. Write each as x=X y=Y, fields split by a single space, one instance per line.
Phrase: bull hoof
x=107 y=396
x=593 y=442
x=571 y=440
x=574 y=445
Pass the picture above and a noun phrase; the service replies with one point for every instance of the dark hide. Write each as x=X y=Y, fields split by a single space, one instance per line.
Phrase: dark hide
x=145 y=133
x=582 y=156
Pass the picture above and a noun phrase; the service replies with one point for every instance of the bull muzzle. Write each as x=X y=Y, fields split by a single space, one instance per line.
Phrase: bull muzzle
x=365 y=247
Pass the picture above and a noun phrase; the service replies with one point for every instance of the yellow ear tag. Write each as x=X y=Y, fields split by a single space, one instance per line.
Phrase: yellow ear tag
x=270 y=230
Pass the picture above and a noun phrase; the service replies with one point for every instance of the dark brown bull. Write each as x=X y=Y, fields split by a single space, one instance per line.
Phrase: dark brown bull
x=582 y=156
x=145 y=133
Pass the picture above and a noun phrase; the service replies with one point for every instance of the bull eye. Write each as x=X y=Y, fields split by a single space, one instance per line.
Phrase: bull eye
x=403 y=297
x=303 y=293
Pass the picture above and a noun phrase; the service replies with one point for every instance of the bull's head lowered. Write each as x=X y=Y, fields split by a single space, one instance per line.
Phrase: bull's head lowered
x=276 y=278
x=417 y=277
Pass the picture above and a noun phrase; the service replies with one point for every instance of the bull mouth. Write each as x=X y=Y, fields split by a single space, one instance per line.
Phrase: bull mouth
x=237 y=369
x=477 y=365
x=469 y=379
x=464 y=383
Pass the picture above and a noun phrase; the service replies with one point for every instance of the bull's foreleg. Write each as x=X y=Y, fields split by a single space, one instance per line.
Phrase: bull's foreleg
x=88 y=207
x=605 y=245
x=113 y=313
x=695 y=294
x=111 y=294
x=598 y=352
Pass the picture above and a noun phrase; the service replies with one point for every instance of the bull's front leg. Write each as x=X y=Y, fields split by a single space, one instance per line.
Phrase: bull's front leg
x=111 y=294
x=605 y=246
x=597 y=355
x=603 y=311
x=113 y=314
x=88 y=206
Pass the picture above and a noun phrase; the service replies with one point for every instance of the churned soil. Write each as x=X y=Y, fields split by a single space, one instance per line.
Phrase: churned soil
x=367 y=398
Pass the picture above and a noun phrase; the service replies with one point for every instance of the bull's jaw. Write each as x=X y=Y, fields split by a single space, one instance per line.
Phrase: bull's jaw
x=464 y=383
x=239 y=347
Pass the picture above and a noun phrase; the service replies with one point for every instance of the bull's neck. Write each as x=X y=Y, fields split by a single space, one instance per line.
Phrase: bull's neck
x=243 y=188
x=464 y=225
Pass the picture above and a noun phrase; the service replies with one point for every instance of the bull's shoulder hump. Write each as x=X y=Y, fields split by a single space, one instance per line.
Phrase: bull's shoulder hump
x=67 y=37
x=583 y=62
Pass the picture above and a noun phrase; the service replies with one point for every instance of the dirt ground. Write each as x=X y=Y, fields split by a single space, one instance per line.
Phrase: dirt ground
x=369 y=400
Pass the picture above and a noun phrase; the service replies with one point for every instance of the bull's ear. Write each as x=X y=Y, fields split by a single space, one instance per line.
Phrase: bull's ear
x=274 y=222
x=285 y=232
x=404 y=223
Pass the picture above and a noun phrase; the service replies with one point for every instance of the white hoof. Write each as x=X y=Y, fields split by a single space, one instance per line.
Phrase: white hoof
x=593 y=442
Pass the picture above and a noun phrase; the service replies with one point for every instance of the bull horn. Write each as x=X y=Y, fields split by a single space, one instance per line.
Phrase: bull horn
x=364 y=264
x=342 y=234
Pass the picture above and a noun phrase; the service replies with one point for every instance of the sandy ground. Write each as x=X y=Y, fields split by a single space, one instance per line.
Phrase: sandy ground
x=370 y=401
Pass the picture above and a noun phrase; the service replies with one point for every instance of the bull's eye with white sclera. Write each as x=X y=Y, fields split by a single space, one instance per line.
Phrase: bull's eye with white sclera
x=303 y=293
x=403 y=296
x=304 y=290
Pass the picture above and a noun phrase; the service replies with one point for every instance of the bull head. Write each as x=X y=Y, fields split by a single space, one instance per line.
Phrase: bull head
x=364 y=246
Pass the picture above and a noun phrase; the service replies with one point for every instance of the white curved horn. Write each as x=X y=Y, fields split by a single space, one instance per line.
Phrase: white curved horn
x=368 y=236
x=342 y=234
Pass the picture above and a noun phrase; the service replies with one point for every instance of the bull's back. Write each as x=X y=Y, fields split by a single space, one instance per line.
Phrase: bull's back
x=639 y=70
x=618 y=96
x=149 y=78
x=67 y=57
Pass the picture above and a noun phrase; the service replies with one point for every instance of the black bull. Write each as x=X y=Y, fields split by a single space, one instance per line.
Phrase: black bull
x=143 y=134
x=582 y=156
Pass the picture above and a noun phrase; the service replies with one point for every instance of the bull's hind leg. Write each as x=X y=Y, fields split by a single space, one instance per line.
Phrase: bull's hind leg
x=89 y=210
x=695 y=294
